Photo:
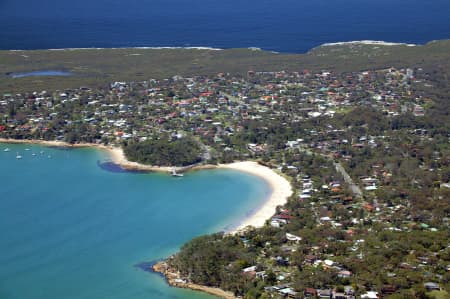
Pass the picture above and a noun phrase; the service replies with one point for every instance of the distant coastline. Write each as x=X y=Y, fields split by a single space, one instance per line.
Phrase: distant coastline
x=119 y=48
x=339 y=43
x=367 y=42
x=281 y=189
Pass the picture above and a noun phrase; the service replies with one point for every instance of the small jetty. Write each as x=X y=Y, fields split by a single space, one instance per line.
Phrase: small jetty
x=174 y=173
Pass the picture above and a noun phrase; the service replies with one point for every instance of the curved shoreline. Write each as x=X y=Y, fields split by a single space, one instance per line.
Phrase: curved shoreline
x=281 y=189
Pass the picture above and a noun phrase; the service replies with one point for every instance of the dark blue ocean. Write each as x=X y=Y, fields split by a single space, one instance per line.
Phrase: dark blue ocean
x=71 y=229
x=282 y=25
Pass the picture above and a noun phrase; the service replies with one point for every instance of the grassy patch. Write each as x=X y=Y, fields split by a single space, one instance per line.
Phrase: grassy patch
x=439 y=294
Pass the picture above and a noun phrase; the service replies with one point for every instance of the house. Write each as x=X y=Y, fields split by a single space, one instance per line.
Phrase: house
x=336 y=198
x=292 y=237
x=324 y=293
x=249 y=272
x=344 y=274
x=305 y=194
x=431 y=286
x=348 y=200
x=338 y=295
x=418 y=110
x=249 y=269
x=388 y=290
x=277 y=222
x=310 y=259
x=368 y=207
x=289 y=292
x=283 y=216
x=282 y=261
x=261 y=274
x=310 y=292
x=328 y=263
x=370 y=295
x=371 y=188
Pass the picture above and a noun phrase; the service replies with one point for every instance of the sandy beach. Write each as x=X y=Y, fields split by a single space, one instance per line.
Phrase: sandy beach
x=281 y=188
x=281 y=191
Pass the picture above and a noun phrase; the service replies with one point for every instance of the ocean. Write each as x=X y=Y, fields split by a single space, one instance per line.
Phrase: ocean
x=293 y=26
x=72 y=229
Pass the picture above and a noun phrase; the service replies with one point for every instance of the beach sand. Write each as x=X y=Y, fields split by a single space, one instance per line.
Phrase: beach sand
x=281 y=191
x=118 y=157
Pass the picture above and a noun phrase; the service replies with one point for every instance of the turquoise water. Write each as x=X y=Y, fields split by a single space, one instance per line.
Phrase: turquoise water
x=70 y=229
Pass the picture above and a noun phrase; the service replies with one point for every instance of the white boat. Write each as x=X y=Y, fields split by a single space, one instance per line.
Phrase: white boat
x=174 y=173
x=18 y=156
x=6 y=150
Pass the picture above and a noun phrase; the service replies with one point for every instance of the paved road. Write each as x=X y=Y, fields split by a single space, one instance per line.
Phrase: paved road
x=355 y=189
x=339 y=168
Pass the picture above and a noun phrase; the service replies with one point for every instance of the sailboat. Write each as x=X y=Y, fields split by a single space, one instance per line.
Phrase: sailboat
x=18 y=156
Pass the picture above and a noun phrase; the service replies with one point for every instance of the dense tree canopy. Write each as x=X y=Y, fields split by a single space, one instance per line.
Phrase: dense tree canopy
x=164 y=152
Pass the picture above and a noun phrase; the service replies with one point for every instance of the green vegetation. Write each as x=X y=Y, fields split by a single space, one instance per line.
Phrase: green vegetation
x=439 y=295
x=361 y=131
x=95 y=67
x=205 y=260
x=164 y=151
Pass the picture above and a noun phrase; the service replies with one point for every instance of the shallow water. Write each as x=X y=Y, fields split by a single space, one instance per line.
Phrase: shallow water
x=71 y=229
x=40 y=73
